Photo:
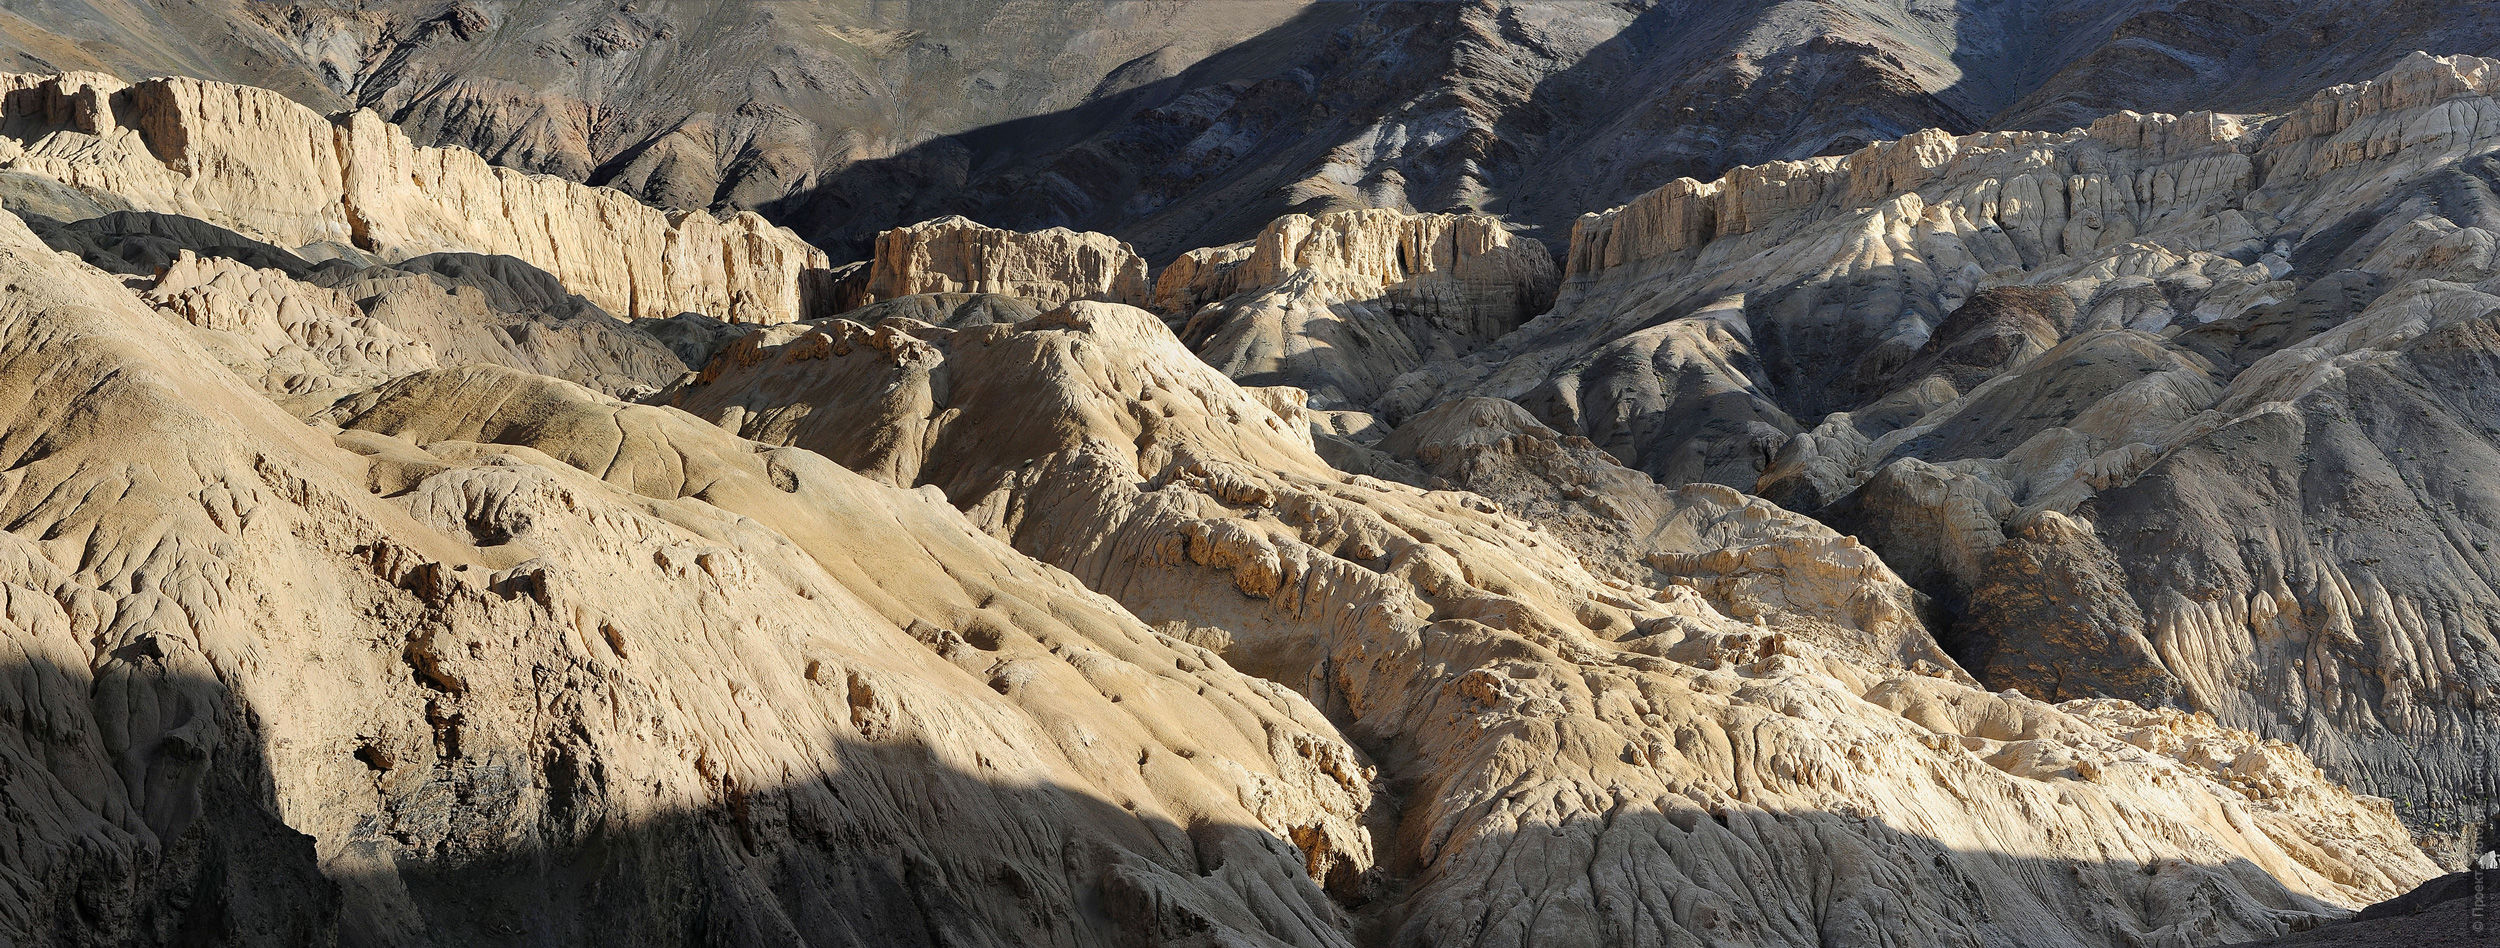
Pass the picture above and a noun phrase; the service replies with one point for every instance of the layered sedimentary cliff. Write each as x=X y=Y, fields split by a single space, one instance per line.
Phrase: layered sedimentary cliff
x=955 y=255
x=1340 y=304
x=251 y=160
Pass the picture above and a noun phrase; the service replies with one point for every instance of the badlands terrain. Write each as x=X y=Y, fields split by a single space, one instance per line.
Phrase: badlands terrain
x=1248 y=474
x=1178 y=124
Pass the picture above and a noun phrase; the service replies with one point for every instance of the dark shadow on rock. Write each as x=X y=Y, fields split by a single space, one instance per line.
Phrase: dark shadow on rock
x=146 y=813
x=31 y=195
x=528 y=318
x=949 y=310
x=894 y=847
x=510 y=283
x=165 y=827
x=1285 y=121
x=1822 y=879
x=137 y=815
x=1676 y=93
x=144 y=243
x=1208 y=155
x=2457 y=910
x=1203 y=157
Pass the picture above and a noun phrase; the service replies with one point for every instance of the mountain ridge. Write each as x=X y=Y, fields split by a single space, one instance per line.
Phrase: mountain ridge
x=2017 y=537
x=1181 y=125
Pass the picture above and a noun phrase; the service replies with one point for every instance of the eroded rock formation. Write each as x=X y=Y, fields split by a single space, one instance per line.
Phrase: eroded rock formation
x=955 y=255
x=348 y=602
x=2176 y=409
x=251 y=160
x=502 y=659
x=1751 y=560
x=1580 y=758
x=1340 y=304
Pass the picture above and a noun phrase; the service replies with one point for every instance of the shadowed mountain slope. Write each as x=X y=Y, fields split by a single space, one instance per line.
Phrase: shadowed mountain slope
x=1177 y=125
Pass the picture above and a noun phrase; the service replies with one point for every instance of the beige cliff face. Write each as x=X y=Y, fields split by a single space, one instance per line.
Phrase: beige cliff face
x=1581 y=758
x=256 y=162
x=1341 y=304
x=955 y=255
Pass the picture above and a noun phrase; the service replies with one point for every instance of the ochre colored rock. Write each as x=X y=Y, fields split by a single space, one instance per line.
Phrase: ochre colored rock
x=396 y=680
x=1613 y=758
x=1343 y=303
x=2250 y=355
x=955 y=255
x=253 y=161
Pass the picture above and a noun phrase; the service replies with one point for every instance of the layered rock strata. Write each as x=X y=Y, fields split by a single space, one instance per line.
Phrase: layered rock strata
x=1340 y=304
x=251 y=160
x=956 y=255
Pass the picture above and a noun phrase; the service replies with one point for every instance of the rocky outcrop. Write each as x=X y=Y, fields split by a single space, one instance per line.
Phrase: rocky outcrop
x=1191 y=125
x=1468 y=266
x=250 y=160
x=1749 y=559
x=2052 y=617
x=1619 y=762
x=499 y=659
x=332 y=614
x=303 y=342
x=955 y=255
x=1340 y=304
x=2163 y=328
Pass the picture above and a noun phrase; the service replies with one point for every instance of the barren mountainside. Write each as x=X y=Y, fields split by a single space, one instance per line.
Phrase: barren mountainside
x=1176 y=124
x=1248 y=474
x=2237 y=363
